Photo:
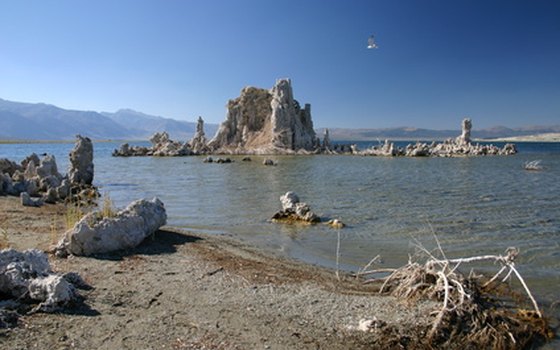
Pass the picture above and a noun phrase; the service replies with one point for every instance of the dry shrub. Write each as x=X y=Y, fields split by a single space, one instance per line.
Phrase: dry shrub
x=4 y=241
x=471 y=315
x=73 y=214
x=108 y=209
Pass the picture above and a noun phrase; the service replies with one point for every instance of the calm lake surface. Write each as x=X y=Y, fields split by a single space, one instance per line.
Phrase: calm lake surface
x=475 y=206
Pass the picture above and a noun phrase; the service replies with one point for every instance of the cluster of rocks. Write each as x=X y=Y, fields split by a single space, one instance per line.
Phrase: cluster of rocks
x=163 y=146
x=37 y=180
x=218 y=160
x=227 y=160
x=295 y=211
x=97 y=234
x=28 y=284
x=460 y=146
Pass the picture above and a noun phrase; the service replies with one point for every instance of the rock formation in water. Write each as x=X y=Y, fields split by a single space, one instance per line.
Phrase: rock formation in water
x=465 y=137
x=198 y=144
x=95 y=234
x=326 y=141
x=34 y=177
x=81 y=162
x=294 y=211
x=162 y=146
x=266 y=122
x=460 y=146
x=259 y=121
x=37 y=180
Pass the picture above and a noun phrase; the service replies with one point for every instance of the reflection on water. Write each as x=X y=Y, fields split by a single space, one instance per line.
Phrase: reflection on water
x=474 y=205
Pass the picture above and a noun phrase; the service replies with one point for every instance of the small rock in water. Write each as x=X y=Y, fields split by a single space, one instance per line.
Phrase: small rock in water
x=223 y=160
x=293 y=210
x=335 y=223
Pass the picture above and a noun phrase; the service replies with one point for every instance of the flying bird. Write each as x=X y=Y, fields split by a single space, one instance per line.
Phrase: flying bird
x=371 y=43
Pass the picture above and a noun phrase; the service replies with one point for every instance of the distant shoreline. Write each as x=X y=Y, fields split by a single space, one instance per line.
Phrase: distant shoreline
x=7 y=142
x=552 y=137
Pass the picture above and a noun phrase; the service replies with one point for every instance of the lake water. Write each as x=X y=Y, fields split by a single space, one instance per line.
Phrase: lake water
x=475 y=206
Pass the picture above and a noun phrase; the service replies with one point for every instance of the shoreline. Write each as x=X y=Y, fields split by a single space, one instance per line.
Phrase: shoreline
x=187 y=290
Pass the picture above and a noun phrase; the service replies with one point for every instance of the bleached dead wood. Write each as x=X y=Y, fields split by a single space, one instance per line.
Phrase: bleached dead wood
x=439 y=278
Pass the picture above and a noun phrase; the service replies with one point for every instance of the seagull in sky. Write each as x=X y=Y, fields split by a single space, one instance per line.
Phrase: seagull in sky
x=371 y=43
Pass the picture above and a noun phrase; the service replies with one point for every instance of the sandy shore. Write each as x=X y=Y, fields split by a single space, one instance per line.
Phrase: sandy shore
x=182 y=290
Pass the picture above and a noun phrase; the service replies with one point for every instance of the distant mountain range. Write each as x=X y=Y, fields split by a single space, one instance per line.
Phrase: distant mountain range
x=39 y=121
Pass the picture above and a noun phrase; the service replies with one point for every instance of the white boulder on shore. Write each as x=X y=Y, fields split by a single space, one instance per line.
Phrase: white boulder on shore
x=127 y=229
x=28 y=275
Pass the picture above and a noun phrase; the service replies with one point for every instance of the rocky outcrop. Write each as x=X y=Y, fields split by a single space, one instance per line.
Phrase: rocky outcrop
x=95 y=234
x=9 y=167
x=264 y=121
x=81 y=162
x=259 y=121
x=26 y=277
x=460 y=146
x=162 y=146
x=326 y=141
x=37 y=180
x=465 y=137
x=34 y=177
x=388 y=149
x=295 y=211
x=131 y=151
x=198 y=144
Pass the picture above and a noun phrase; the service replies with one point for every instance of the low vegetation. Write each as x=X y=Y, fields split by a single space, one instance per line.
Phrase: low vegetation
x=73 y=214
x=4 y=241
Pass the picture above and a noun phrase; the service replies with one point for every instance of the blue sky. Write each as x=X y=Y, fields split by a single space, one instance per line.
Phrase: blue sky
x=438 y=60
